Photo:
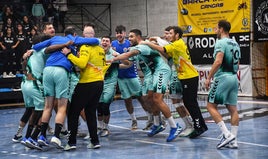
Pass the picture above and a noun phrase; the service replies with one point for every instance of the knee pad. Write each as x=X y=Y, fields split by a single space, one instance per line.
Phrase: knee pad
x=106 y=109
x=26 y=116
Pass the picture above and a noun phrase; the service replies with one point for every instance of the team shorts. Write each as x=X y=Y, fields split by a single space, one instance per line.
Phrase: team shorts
x=129 y=87
x=108 y=92
x=56 y=82
x=33 y=95
x=175 y=87
x=160 y=80
x=224 y=90
x=73 y=78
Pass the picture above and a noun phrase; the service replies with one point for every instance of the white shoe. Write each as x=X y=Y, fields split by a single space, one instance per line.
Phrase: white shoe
x=225 y=140
x=186 y=132
x=232 y=145
x=56 y=142
x=93 y=146
x=69 y=147
x=87 y=137
x=104 y=133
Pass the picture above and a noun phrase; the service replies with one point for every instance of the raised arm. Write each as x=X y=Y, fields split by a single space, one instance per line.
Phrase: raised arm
x=53 y=48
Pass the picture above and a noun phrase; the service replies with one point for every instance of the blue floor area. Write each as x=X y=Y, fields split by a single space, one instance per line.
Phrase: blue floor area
x=124 y=143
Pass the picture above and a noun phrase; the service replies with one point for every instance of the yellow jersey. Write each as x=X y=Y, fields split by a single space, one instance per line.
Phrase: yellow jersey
x=92 y=63
x=181 y=58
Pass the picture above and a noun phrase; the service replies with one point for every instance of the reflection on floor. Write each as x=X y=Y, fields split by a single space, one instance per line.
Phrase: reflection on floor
x=126 y=144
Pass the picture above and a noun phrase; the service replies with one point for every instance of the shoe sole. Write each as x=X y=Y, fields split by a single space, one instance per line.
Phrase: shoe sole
x=31 y=146
x=224 y=144
x=151 y=135
x=70 y=149
x=16 y=141
x=42 y=143
x=56 y=145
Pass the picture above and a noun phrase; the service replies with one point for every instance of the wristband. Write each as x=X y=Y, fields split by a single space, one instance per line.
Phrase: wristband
x=68 y=54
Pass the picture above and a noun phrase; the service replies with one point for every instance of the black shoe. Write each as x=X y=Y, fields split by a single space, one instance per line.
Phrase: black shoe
x=198 y=132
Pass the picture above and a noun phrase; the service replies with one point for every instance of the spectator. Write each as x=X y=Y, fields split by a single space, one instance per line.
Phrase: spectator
x=7 y=13
x=61 y=7
x=22 y=46
x=27 y=25
x=38 y=13
x=8 y=43
x=8 y=24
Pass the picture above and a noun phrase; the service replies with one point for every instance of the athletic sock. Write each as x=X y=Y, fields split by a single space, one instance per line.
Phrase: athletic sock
x=58 y=128
x=44 y=127
x=29 y=131
x=223 y=128
x=156 y=120
x=171 y=122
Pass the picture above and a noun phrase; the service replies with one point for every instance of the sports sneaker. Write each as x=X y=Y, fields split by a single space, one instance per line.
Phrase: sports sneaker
x=232 y=145
x=23 y=141
x=225 y=140
x=31 y=143
x=186 y=132
x=17 y=138
x=56 y=142
x=134 y=125
x=155 y=130
x=174 y=132
x=104 y=133
x=69 y=147
x=64 y=134
x=198 y=132
x=87 y=137
x=148 y=126
x=42 y=141
x=93 y=146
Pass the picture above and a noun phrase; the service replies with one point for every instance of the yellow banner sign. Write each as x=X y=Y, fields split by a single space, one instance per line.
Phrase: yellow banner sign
x=200 y=17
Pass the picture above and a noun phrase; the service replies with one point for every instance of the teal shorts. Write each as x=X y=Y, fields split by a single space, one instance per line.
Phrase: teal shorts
x=175 y=87
x=56 y=82
x=129 y=87
x=109 y=89
x=147 y=84
x=73 y=80
x=224 y=90
x=160 y=80
x=33 y=95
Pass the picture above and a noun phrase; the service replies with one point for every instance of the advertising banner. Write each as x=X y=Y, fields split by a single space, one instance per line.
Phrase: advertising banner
x=244 y=77
x=260 y=17
x=201 y=47
x=200 y=17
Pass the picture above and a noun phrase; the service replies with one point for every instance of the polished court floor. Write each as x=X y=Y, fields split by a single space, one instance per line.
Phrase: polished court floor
x=126 y=144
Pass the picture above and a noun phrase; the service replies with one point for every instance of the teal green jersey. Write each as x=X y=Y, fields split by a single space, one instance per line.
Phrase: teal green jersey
x=232 y=54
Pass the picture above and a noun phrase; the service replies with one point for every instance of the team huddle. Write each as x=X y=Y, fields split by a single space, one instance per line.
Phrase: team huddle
x=78 y=76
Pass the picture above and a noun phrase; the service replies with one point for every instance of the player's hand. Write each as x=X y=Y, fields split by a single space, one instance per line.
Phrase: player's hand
x=207 y=84
x=65 y=50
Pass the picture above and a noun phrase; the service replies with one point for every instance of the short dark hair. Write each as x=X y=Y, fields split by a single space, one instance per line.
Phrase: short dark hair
x=225 y=25
x=136 y=32
x=45 y=24
x=69 y=30
x=177 y=30
x=120 y=29
x=168 y=28
x=106 y=36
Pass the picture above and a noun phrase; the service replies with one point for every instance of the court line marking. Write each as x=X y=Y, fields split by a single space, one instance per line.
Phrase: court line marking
x=208 y=138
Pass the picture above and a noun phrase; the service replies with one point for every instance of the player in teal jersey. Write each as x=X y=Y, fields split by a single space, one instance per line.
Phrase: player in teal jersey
x=224 y=89
x=33 y=91
x=161 y=74
x=109 y=88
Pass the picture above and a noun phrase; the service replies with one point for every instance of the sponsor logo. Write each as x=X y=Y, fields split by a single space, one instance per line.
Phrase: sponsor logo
x=262 y=18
